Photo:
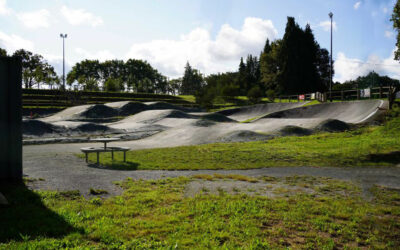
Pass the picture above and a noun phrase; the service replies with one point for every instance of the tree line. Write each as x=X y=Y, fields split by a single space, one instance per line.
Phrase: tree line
x=35 y=70
x=295 y=64
x=117 y=75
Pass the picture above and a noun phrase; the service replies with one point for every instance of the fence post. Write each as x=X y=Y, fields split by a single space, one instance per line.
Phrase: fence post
x=342 y=95
x=358 y=94
x=10 y=118
x=380 y=92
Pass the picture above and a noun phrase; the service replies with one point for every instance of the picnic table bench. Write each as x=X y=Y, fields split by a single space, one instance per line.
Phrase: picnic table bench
x=99 y=150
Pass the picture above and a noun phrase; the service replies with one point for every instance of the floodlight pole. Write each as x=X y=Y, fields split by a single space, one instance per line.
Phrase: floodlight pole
x=63 y=36
x=331 y=69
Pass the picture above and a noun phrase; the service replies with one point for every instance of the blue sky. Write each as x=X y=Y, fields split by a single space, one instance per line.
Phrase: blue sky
x=211 y=35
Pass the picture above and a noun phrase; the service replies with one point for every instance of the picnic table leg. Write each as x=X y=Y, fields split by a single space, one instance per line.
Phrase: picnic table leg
x=105 y=145
x=124 y=156
x=112 y=154
x=97 y=158
x=86 y=156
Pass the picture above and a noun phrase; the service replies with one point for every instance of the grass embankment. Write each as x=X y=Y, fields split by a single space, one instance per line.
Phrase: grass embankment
x=374 y=145
x=158 y=215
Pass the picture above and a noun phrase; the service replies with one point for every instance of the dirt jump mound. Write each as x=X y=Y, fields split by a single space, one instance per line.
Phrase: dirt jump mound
x=333 y=125
x=294 y=131
x=93 y=128
x=248 y=112
x=39 y=128
x=244 y=136
x=131 y=108
x=351 y=112
x=98 y=111
x=217 y=118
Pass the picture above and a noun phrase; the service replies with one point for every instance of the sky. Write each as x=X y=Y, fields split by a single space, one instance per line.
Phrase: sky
x=212 y=35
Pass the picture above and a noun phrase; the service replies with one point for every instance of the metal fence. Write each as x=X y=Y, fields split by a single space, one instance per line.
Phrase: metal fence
x=342 y=95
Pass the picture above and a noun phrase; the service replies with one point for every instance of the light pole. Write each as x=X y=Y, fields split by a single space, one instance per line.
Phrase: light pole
x=330 y=85
x=63 y=36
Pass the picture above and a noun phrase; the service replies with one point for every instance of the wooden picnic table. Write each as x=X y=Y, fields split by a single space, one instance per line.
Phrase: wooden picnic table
x=104 y=149
x=105 y=141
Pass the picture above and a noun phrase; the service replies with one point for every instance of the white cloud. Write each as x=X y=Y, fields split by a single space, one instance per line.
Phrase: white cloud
x=35 y=19
x=351 y=68
x=326 y=25
x=80 y=16
x=13 y=42
x=100 y=55
x=385 y=10
x=357 y=5
x=389 y=34
x=57 y=62
x=204 y=53
x=4 y=10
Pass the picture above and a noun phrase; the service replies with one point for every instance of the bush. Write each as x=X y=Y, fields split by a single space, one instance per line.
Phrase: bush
x=271 y=95
x=255 y=95
x=230 y=91
x=114 y=85
x=205 y=97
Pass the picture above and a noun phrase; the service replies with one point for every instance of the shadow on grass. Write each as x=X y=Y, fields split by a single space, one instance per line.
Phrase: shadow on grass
x=392 y=157
x=116 y=165
x=26 y=217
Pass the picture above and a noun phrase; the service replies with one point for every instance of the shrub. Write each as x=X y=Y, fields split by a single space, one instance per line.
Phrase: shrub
x=114 y=85
x=230 y=91
x=271 y=95
x=254 y=95
x=205 y=97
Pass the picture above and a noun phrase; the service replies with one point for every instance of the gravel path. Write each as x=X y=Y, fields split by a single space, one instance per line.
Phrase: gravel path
x=64 y=171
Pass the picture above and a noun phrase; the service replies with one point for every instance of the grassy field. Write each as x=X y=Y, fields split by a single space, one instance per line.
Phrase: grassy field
x=373 y=145
x=159 y=215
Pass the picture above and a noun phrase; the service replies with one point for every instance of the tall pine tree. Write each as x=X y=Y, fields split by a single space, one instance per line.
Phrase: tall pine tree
x=192 y=81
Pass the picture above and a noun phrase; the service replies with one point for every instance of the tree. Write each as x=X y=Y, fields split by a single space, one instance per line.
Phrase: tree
x=396 y=25
x=255 y=94
x=252 y=72
x=269 y=67
x=174 y=86
x=394 y=88
x=114 y=85
x=35 y=69
x=141 y=76
x=267 y=47
x=3 y=52
x=205 y=97
x=296 y=64
x=48 y=76
x=87 y=73
x=192 y=81
x=324 y=67
x=242 y=77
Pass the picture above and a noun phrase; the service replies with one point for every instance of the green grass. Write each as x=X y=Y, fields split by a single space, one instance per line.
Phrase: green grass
x=189 y=98
x=366 y=146
x=158 y=215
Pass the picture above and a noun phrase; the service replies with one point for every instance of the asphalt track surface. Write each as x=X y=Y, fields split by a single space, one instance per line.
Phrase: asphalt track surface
x=62 y=170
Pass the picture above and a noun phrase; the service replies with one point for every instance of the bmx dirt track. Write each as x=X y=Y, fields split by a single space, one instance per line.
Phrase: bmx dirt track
x=62 y=170
x=165 y=125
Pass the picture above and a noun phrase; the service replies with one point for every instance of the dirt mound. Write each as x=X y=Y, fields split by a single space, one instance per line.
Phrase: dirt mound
x=247 y=112
x=178 y=114
x=162 y=105
x=294 y=131
x=99 y=111
x=39 y=128
x=131 y=108
x=244 y=136
x=204 y=123
x=217 y=118
x=92 y=128
x=333 y=125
